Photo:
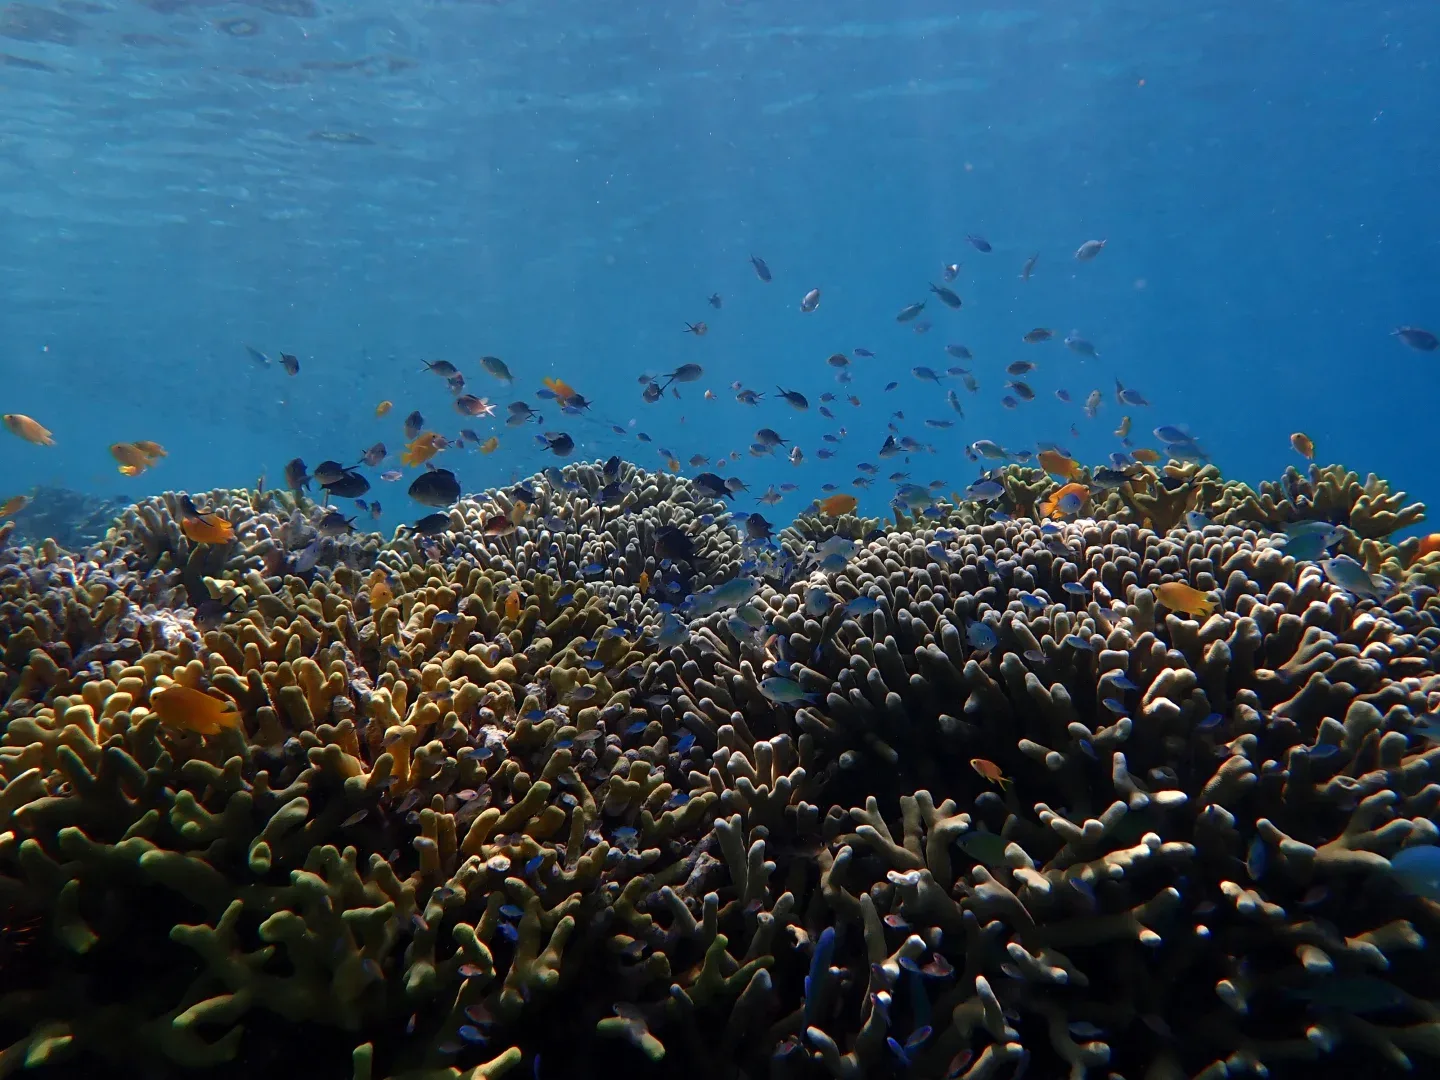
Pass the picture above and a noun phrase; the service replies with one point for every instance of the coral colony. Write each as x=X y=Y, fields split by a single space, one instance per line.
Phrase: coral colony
x=1143 y=788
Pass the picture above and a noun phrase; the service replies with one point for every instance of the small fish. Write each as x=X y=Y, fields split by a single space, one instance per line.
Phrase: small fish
x=795 y=399
x=496 y=367
x=470 y=405
x=258 y=356
x=1417 y=869
x=715 y=300
x=981 y=636
x=432 y=524
x=1349 y=575
x=947 y=296
x=335 y=523
x=1068 y=500
x=1123 y=431
x=1417 y=338
x=14 y=505
x=861 y=605
x=761 y=270
x=1039 y=334
x=32 y=431
x=979 y=243
x=1076 y=344
x=810 y=301
x=290 y=364
x=837 y=505
x=909 y=311
x=372 y=457
x=194 y=710
x=1177 y=596
x=921 y=372
x=1019 y=367
x=1304 y=445
x=985 y=490
x=1089 y=249
x=391 y=475
x=437 y=487
x=1029 y=267
x=699 y=329
x=414 y=424
x=990 y=771
x=558 y=443
x=348 y=485
x=1127 y=396
x=784 y=691
x=490 y=445
x=383 y=408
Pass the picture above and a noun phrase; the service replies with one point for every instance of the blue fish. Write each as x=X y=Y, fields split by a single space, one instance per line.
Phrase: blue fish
x=862 y=605
x=1418 y=870
x=980 y=636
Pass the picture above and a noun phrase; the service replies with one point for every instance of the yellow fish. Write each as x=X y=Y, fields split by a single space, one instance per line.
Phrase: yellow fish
x=836 y=505
x=30 y=430
x=384 y=407
x=512 y=605
x=1124 y=428
x=1177 y=596
x=14 y=505
x=193 y=710
x=490 y=445
x=1304 y=445
x=1145 y=455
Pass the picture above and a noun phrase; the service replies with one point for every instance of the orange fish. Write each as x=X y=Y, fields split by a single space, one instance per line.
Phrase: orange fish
x=518 y=511
x=14 y=505
x=644 y=582
x=1177 y=596
x=490 y=445
x=1058 y=465
x=673 y=465
x=28 y=429
x=133 y=461
x=836 y=505
x=563 y=391
x=1051 y=506
x=1428 y=544
x=384 y=407
x=424 y=447
x=208 y=529
x=1124 y=429
x=1304 y=445
x=203 y=528
x=990 y=771
x=512 y=605
x=381 y=595
x=1145 y=455
x=153 y=450
x=193 y=710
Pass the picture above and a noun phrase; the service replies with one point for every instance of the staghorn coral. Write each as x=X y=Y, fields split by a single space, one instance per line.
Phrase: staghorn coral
x=451 y=829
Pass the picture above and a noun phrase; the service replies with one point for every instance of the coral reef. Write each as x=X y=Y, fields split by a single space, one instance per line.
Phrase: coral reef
x=958 y=796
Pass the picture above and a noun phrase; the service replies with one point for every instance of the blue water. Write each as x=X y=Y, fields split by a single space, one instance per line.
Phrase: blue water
x=562 y=185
